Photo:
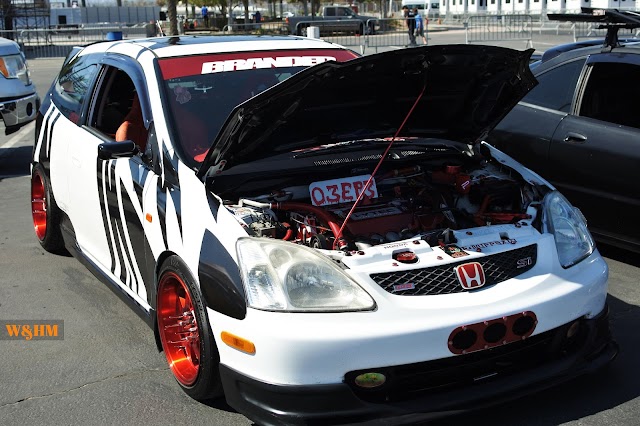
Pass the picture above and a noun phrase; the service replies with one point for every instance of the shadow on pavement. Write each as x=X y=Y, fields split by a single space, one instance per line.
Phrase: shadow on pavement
x=621 y=255
x=219 y=404
x=15 y=161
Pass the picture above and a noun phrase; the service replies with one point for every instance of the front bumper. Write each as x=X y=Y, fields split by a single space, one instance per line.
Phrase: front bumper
x=459 y=383
x=16 y=112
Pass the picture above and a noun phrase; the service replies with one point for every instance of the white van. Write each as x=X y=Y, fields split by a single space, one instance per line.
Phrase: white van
x=428 y=8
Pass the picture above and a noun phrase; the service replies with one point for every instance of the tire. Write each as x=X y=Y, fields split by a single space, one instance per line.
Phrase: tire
x=45 y=212
x=190 y=351
x=371 y=29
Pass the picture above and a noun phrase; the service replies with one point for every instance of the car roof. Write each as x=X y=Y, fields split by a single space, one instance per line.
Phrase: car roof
x=168 y=47
x=582 y=46
x=566 y=54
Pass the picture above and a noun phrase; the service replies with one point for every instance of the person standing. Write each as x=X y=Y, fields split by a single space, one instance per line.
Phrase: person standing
x=205 y=15
x=420 y=26
x=151 y=29
x=410 y=17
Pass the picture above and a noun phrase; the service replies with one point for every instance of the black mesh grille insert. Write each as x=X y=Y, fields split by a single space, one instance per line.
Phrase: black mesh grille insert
x=443 y=280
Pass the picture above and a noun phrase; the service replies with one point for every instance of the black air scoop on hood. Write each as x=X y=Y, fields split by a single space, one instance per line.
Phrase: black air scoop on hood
x=468 y=90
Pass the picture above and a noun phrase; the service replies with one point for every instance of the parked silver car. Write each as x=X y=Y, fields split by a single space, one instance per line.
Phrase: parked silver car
x=19 y=101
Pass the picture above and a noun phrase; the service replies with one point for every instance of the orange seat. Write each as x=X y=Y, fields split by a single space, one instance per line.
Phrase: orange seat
x=132 y=128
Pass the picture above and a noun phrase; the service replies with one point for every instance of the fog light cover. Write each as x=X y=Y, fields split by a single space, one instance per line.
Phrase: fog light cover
x=370 y=380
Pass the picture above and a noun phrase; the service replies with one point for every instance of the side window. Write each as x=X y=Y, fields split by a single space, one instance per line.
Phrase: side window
x=611 y=94
x=73 y=85
x=117 y=112
x=556 y=87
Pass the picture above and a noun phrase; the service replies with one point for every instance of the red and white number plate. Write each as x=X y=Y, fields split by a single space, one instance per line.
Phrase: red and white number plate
x=345 y=190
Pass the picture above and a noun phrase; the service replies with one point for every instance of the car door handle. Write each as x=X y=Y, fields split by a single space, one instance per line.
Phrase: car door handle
x=573 y=137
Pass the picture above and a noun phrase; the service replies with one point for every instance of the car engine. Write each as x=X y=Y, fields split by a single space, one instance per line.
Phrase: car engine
x=422 y=201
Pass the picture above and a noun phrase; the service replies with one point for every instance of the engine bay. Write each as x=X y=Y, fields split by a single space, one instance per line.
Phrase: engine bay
x=421 y=199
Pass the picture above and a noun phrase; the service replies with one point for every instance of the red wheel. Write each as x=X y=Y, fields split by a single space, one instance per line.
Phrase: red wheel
x=38 y=206
x=178 y=328
x=184 y=331
x=45 y=212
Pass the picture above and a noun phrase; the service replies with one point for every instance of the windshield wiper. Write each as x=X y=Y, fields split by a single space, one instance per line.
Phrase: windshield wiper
x=350 y=145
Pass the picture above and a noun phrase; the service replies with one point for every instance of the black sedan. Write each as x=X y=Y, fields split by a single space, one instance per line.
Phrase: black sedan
x=580 y=129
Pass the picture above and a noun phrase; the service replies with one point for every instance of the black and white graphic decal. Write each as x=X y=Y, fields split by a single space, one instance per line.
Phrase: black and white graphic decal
x=122 y=217
x=42 y=150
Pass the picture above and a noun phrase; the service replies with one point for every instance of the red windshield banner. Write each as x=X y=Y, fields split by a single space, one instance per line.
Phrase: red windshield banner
x=238 y=61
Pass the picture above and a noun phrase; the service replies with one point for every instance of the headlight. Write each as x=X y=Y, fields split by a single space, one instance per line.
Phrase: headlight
x=281 y=276
x=14 y=66
x=573 y=240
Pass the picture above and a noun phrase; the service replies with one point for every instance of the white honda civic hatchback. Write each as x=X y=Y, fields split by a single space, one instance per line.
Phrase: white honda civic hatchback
x=311 y=242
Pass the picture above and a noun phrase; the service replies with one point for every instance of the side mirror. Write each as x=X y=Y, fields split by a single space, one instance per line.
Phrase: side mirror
x=112 y=150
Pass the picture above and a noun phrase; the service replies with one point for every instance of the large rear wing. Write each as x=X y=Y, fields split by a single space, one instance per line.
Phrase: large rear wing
x=610 y=19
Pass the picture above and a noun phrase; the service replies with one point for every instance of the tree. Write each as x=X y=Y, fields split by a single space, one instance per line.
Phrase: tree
x=221 y=4
x=7 y=14
x=172 y=14
x=245 y=3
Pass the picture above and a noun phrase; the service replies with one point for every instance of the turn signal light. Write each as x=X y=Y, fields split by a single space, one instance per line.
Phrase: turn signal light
x=238 y=343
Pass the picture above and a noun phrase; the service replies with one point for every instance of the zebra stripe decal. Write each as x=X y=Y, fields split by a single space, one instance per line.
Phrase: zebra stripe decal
x=44 y=138
x=122 y=221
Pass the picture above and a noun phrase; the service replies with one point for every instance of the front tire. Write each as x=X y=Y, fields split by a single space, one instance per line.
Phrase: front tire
x=184 y=330
x=45 y=212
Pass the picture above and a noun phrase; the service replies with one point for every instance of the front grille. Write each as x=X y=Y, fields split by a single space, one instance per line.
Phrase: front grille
x=443 y=280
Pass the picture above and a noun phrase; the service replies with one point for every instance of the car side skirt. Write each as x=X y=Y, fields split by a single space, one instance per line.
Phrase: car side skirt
x=148 y=316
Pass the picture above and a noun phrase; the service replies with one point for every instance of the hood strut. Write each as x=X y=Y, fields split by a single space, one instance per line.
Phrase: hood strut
x=339 y=242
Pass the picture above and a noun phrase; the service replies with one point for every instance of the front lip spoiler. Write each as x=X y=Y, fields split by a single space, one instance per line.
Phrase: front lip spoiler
x=273 y=404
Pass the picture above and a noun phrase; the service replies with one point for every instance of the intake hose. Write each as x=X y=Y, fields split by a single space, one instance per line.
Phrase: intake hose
x=329 y=218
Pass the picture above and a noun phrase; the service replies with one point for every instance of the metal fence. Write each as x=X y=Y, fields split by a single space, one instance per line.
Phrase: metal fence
x=374 y=35
x=392 y=33
x=591 y=30
x=348 y=32
x=499 y=28
x=50 y=43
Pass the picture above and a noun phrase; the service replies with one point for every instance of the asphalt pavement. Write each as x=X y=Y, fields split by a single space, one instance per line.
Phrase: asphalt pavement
x=107 y=369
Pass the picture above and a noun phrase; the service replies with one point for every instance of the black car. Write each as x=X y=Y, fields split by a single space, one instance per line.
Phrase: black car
x=580 y=129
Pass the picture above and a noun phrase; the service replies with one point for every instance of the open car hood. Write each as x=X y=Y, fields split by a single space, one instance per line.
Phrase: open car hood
x=468 y=90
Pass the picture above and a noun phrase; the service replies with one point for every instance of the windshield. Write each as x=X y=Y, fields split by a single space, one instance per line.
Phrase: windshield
x=202 y=90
